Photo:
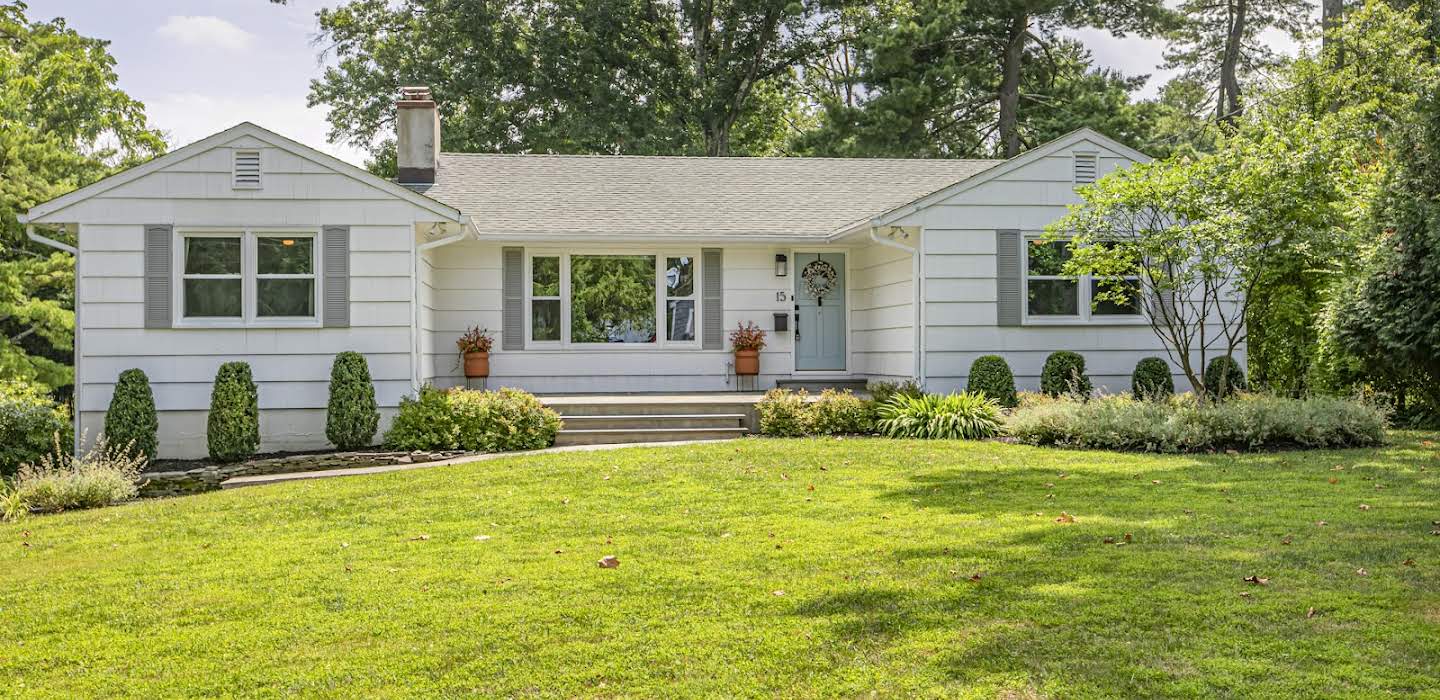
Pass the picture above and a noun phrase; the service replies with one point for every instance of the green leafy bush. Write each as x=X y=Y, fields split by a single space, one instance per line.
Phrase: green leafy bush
x=1223 y=378
x=1151 y=380
x=880 y=392
x=1182 y=424
x=351 y=417
x=233 y=427
x=30 y=422
x=990 y=375
x=785 y=413
x=130 y=422
x=104 y=476
x=840 y=413
x=1064 y=374
x=963 y=416
x=478 y=421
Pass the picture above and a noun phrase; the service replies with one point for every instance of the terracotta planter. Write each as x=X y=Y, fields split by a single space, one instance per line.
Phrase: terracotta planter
x=477 y=365
x=747 y=362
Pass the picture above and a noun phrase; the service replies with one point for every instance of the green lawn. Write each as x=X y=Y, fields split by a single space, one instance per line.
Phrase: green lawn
x=739 y=579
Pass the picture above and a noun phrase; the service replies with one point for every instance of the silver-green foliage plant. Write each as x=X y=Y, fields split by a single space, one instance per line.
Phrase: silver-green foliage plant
x=963 y=416
x=103 y=476
x=1188 y=424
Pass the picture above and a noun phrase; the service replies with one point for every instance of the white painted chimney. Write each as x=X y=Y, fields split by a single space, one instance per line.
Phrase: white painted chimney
x=417 y=136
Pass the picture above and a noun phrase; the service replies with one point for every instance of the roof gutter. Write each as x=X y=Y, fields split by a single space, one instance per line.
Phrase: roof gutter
x=416 y=355
x=30 y=233
x=919 y=297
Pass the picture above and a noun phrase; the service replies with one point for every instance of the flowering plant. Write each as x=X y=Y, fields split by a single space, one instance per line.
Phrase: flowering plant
x=747 y=336
x=476 y=339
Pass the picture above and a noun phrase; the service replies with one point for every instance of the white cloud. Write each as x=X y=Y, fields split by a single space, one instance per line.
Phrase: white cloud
x=205 y=31
x=186 y=117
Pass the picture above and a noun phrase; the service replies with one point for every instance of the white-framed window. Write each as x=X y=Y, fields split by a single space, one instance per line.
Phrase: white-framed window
x=612 y=299
x=1053 y=296
x=259 y=277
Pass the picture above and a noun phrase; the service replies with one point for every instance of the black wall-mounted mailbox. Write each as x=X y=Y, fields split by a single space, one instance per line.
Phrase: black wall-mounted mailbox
x=782 y=321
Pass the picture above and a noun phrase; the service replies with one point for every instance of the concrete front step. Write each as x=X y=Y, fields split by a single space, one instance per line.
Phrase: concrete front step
x=616 y=436
x=655 y=421
x=816 y=386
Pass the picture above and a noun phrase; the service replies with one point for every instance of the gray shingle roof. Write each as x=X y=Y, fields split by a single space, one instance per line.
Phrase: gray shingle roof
x=683 y=196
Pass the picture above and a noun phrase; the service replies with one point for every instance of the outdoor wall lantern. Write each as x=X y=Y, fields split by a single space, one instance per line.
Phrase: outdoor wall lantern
x=782 y=265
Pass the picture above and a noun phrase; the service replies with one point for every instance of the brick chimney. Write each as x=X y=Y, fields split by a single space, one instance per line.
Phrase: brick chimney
x=417 y=136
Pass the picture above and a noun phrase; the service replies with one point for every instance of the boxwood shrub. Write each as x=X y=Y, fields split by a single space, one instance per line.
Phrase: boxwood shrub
x=351 y=416
x=31 y=425
x=478 y=421
x=130 y=423
x=1183 y=424
x=1151 y=380
x=785 y=413
x=233 y=427
x=1064 y=374
x=991 y=376
x=840 y=413
x=1223 y=377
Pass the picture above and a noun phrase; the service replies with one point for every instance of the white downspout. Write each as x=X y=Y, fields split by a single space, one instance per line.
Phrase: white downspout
x=919 y=299
x=30 y=233
x=416 y=356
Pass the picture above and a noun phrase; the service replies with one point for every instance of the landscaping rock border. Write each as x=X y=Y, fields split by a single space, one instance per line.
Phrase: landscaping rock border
x=209 y=477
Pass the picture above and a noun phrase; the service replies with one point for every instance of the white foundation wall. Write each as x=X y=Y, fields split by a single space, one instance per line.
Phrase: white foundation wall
x=882 y=313
x=959 y=272
x=291 y=366
x=463 y=284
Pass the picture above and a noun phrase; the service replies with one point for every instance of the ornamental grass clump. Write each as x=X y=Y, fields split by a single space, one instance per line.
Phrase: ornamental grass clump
x=963 y=416
x=990 y=375
x=351 y=416
x=105 y=475
x=233 y=426
x=131 y=421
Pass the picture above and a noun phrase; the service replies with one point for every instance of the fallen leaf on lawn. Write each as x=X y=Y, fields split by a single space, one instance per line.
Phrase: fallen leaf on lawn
x=1287 y=539
x=1049 y=486
x=975 y=577
x=1310 y=613
x=344 y=545
x=565 y=501
x=727 y=534
x=1232 y=453
x=1064 y=476
x=1154 y=481
x=1321 y=523
x=605 y=478
x=1337 y=468
x=1333 y=480
x=1065 y=518
x=1109 y=540
x=1408 y=562
x=1127 y=537
x=777 y=593
x=419 y=538
x=1427 y=443
x=1361 y=572
x=824 y=469
x=559 y=551
x=481 y=538
x=1364 y=507
x=608 y=540
x=784 y=476
x=1257 y=580
x=1049 y=496
x=810 y=487
x=1244 y=594
x=609 y=561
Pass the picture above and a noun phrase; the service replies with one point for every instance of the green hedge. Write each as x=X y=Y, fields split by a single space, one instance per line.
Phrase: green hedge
x=1064 y=375
x=31 y=425
x=1182 y=424
x=351 y=416
x=1223 y=378
x=478 y=421
x=990 y=375
x=233 y=426
x=1151 y=380
x=131 y=424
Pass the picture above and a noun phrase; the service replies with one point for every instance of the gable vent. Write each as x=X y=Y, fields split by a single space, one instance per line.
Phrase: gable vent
x=1087 y=166
x=247 y=169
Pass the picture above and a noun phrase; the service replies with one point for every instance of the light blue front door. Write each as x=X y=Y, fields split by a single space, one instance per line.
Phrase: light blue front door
x=820 y=318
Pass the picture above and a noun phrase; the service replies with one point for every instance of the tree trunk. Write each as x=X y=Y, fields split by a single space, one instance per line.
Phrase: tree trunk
x=1227 y=101
x=1010 y=65
x=1330 y=11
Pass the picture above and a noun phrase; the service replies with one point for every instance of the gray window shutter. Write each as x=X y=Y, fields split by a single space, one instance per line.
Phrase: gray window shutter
x=159 y=239
x=712 y=299
x=1009 y=292
x=335 y=297
x=512 y=299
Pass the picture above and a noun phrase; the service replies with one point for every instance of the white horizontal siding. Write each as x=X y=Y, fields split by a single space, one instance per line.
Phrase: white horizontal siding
x=882 y=312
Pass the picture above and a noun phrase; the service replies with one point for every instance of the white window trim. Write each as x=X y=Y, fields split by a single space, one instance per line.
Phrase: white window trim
x=249 y=317
x=662 y=332
x=1083 y=294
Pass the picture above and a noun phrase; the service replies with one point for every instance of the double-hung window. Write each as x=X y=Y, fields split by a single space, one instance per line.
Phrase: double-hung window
x=1051 y=295
x=617 y=299
x=248 y=277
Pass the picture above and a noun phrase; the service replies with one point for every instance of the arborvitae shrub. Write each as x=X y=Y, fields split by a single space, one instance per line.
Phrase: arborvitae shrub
x=991 y=375
x=351 y=417
x=1223 y=377
x=130 y=423
x=1064 y=374
x=1151 y=380
x=233 y=428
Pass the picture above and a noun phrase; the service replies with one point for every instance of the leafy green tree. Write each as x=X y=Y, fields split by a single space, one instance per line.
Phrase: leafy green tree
x=63 y=125
x=1220 y=44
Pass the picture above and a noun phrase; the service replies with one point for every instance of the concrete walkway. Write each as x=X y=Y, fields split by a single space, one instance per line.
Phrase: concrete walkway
x=263 y=479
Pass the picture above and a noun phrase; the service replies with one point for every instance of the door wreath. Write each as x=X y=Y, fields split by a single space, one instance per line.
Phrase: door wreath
x=819 y=277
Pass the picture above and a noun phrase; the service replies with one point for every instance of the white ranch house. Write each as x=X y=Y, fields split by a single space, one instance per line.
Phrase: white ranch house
x=249 y=246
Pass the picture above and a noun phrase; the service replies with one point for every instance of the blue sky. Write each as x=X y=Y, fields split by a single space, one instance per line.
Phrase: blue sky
x=201 y=66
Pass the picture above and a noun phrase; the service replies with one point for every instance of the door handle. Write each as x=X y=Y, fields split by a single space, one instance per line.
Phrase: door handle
x=797 y=326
